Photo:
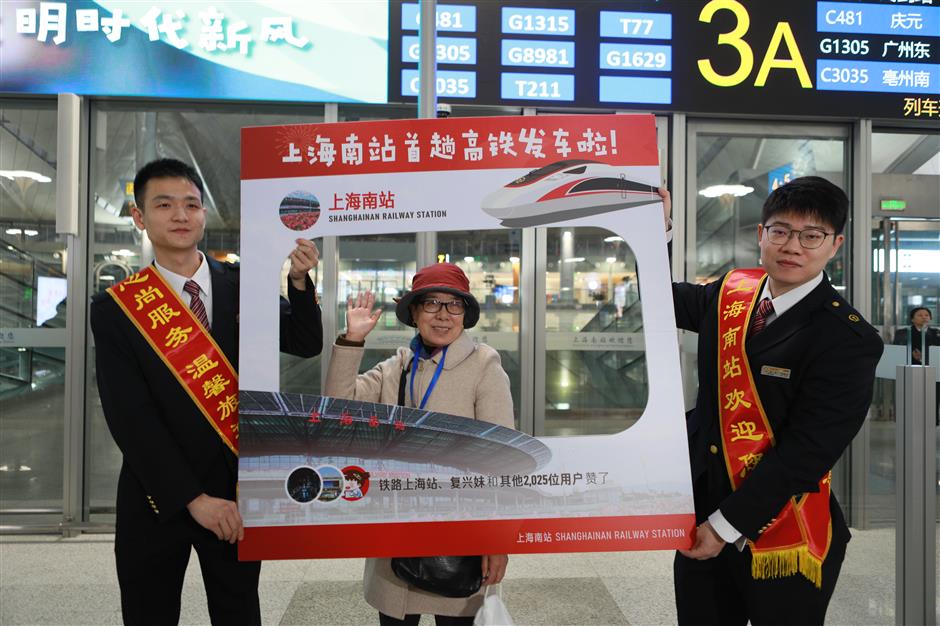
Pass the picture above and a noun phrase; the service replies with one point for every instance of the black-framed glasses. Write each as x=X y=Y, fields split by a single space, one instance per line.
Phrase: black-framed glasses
x=454 y=307
x=810 y=238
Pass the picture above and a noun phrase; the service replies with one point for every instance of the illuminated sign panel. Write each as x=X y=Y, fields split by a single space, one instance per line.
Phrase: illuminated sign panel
x=871 y=76
x=635 y=89
x=893 y=205
x=458 y=50
x=862 y=58
x=912 y=19
x=636 y=56
x=213 y=50
x=450 y=84
x=636 y=25
x=454 y=18
x=544 y=87
x=522 y=21
x=538 y=53
x=870 y=58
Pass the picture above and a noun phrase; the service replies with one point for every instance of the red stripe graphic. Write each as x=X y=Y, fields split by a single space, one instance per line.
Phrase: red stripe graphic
x=424 y=145
x=591 y=534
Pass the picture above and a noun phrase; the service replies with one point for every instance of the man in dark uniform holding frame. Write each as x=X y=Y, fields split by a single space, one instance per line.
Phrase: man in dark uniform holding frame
x=771 y=538
x=176 y=489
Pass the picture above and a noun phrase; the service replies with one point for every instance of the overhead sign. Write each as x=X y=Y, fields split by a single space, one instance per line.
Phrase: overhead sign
x=861 y=58
x=801 y=57
x=893 y=205
x=780 y=176
x=324 y=51
x=406 y=481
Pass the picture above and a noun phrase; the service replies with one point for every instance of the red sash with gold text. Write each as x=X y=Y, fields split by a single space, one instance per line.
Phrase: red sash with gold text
x=185 y=346
x=797 y=540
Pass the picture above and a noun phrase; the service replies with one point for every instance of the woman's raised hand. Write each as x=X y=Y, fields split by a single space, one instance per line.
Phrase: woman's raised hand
x=360 y=318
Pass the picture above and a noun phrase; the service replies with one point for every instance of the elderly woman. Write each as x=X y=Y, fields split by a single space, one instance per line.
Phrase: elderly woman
x=442 y=370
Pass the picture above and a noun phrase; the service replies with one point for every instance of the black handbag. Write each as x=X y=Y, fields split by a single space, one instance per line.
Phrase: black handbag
x=449 y=576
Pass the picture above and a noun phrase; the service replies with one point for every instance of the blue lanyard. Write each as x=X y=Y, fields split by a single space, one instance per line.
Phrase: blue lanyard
x=414 y=374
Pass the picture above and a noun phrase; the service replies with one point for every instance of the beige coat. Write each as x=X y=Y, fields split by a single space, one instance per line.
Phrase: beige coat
x=472 y=384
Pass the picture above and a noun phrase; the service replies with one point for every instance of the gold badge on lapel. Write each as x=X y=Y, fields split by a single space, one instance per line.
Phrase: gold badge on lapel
x=776 y=372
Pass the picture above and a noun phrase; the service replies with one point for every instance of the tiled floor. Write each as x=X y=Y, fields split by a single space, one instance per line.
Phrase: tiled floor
x=50 y=580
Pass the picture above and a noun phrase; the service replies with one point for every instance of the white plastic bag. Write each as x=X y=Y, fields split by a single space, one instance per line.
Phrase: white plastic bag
x=493 y=612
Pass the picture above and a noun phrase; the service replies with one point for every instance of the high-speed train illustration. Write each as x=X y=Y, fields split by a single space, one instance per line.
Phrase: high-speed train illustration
x=566 y=190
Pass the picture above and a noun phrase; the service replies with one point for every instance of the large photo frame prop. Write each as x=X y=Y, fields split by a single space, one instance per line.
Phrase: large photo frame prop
x=326 y=477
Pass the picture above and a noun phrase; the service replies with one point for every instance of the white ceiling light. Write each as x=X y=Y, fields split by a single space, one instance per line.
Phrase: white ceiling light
x=613 y=239
x=724 y=190
x=14 y=231
x=29 y=232
x=14 y=174
x=574 y=259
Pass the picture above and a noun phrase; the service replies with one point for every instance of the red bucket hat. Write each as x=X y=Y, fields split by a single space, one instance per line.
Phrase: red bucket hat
x=445 y=277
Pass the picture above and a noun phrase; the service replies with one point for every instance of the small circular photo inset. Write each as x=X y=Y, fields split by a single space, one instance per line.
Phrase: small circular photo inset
x=332 y=483
x=299 y=210
x=303 y=484
x=356 y=483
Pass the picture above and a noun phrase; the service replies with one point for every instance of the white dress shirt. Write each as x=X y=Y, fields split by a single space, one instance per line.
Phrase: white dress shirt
x=202 y=277
x=781 y=305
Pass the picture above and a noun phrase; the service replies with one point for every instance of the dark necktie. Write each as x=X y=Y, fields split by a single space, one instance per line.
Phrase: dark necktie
x=199 y=309
x=764 y=309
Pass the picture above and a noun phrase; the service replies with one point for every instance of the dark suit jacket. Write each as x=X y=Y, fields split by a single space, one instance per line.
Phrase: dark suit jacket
x=932 y=339
x=831 y=355
x=171 y=453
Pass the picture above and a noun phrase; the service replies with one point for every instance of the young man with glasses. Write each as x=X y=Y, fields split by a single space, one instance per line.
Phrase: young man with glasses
x=786 y=368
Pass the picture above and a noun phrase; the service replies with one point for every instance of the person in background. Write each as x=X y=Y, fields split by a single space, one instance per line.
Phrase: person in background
x=786 y=368
x=920 y=335
x=176 y=489
x=620 y=296
x=441 y=370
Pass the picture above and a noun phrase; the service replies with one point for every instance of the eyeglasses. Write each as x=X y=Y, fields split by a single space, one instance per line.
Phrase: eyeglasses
x=810 y=238
x=454 y=307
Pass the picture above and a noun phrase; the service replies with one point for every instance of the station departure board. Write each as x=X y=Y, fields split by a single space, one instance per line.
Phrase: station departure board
x=869 y=58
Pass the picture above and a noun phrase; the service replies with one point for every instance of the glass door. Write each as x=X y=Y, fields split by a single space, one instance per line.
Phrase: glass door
x=733 y=167
x=33 y=290
x=595 y=361
x=905 y=284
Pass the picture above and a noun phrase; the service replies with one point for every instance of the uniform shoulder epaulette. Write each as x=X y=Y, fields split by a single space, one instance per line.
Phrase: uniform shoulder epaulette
x=847 y=313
